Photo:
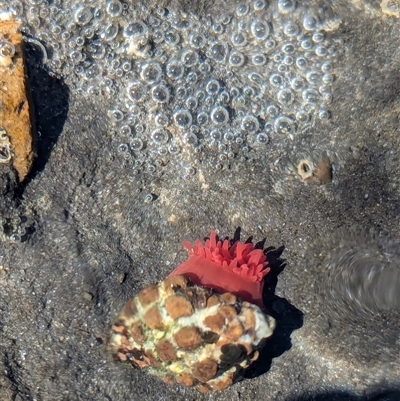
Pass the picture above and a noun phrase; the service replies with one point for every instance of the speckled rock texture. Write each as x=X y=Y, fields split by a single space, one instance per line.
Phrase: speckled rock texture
x=90 y=228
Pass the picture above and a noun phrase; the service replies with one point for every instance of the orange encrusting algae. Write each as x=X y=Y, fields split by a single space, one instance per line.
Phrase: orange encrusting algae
x=239 y=268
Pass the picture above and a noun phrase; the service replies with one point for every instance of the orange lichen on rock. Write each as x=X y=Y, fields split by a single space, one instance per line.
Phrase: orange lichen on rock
x=16 y=144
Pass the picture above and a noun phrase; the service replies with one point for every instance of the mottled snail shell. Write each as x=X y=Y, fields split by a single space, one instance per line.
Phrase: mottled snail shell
x=187 y=334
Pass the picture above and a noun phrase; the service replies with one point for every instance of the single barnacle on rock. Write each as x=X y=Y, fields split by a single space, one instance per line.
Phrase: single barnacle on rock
x=203 y=324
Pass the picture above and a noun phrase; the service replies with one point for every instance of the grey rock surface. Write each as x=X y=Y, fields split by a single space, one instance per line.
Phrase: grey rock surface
x=91 y=237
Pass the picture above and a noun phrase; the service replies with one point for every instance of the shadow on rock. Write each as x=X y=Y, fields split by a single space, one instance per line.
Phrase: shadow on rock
x=50 y=104
x=386 y=395
x=288 y=318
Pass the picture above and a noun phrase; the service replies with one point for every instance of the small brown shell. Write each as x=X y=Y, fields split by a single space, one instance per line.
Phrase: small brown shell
x=189 y=335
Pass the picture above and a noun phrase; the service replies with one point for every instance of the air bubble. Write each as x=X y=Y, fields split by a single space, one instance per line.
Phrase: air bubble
x=159 y=135
x=324 y=114
x=288 y=60
x=136 y=144
x=110 y=32
x=200 y=95
x=212 y=87
x=80 y=41
x=93 y=90
x=250 y=124
x=122 y=148
x=302 y=116
x=326 y=67
x=268 y=128
x=202 y=118
x=190 y=139
x=285 y=97
x=224 y=97
x=310 y=22
x=134 y=29
x=256 y=78
x=218 y=51
x=191 y=103
x=276 y=79
x=270 y=44
x=125 y=130
x=286 y=6
x=238 y=39
x=92 y=72
x=197 y=40
x=189 y=58
x=216 y=135
x=259 y=5
x=116 y=115
x=219 y=115
x=114 y=8
x=194 y=129
x=236 y=59
x=180 y=92
x=175 y=69
x=242 y=10
x=183 y=118
x=172 y=38
x=291 y=29
x=15 y=237
x=135 y=91
x=158 y=36
x=321 y=51
x=173 y=149
x=262 y=138
x=328 y=78
x=288 y=48
x=284 y=125
x=306 y=44
x=260 y=29
x=318 y=37
x=273 y=111
x=248 y=91
x=228 y=136
x=126 y=66
x=75 y=55
x=160 y=94
x=83 y=15
x=301 y=63
x=310 y=96
x=205 y=68
x=151 y=72
x=313 y=77
x=297 y=84
x=161 y=119
x=258 y=59
x=192 y=77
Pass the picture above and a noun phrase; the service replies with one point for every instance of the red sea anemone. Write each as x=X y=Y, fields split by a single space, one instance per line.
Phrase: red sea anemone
x=238 y=268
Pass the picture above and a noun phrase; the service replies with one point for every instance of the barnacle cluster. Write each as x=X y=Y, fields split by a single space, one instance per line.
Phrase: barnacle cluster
x=248 y=79
x=189 y=334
